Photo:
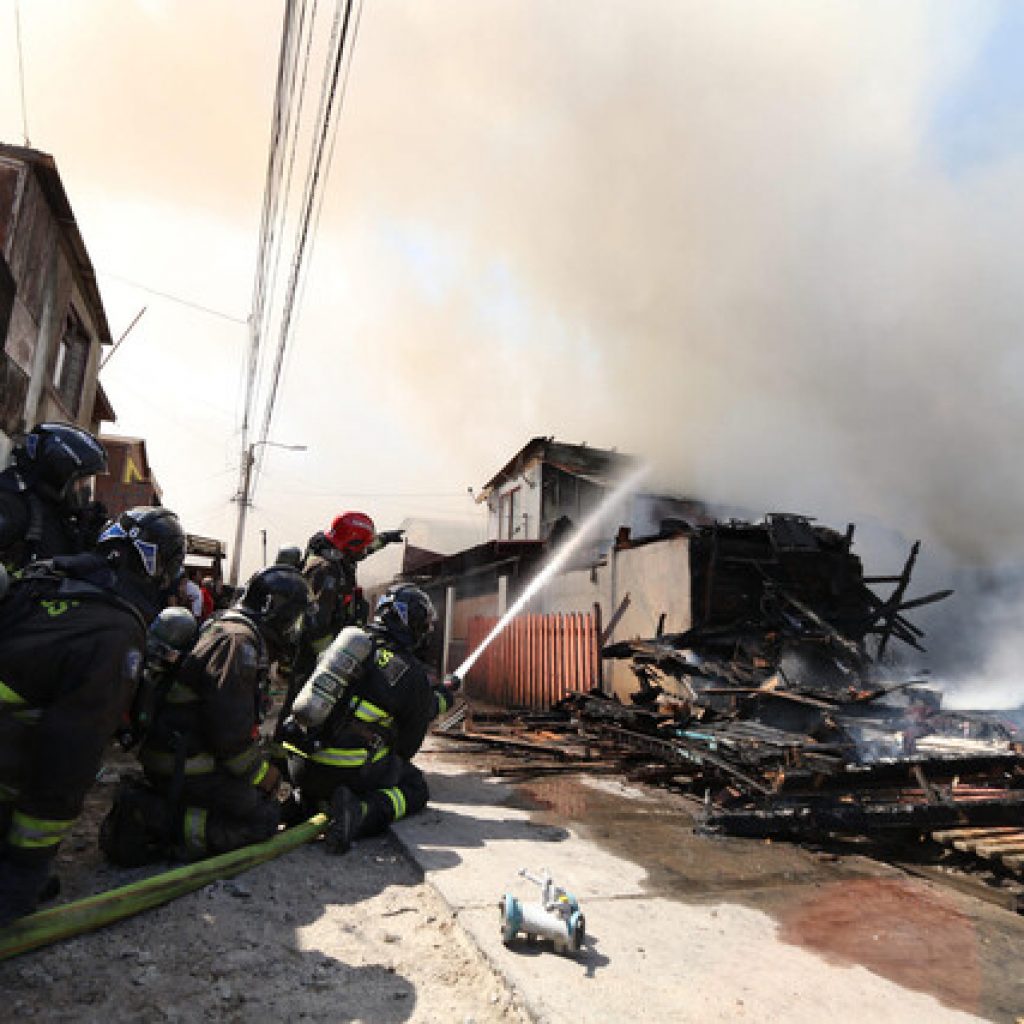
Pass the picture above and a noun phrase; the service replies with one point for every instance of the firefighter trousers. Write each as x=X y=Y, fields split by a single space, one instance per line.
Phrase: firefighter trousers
x=390 y=789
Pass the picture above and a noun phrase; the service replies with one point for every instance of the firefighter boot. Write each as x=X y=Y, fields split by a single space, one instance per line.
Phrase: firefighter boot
x=347 y=814
x=138 y=828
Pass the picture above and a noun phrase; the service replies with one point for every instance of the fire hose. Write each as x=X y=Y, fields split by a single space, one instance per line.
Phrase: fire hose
x=85 y=915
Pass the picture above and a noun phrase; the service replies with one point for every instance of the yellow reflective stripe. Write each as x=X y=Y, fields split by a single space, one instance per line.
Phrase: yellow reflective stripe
x=30 y=833
x=367 y=712
x=442 y=703
x=242 y=764
x=161 y=763
x=341 y=757
x=194 y=829
x=261 y=773
x=397 y=798
x=8 y=696
x=292 y=749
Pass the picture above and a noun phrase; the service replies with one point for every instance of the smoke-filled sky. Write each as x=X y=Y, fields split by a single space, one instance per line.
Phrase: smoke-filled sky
x=773 y=247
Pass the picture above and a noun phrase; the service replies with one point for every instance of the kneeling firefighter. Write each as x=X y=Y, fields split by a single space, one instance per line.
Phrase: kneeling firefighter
x=209 y=785
x=72 y=635
x=43 y=504
x=360 y=718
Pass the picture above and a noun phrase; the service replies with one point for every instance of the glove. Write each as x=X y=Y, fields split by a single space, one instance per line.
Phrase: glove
x=269 y=783
x=291 y=731
x=390 y=536
x=20 y=886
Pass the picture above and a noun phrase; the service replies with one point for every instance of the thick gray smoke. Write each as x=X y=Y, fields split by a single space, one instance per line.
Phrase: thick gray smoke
x=721 y=235
x=726 y=236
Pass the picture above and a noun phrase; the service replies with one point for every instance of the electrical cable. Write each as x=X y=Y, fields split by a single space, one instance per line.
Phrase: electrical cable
x=270 y=191
x=282 y=98
x=21 y=73
x=327 y=118
x=172 y=298
x=277 y=213
x=291 y=148
x=258 y=468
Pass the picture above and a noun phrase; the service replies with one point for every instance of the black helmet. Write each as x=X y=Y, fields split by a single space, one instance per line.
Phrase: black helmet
x=155 y=535
x=290 y=555
x=276 y=599
x=171 y=636
x=56 y=456
x=407 y=614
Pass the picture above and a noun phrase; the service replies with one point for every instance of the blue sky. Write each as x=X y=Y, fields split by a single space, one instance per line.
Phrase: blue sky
x=980 y=118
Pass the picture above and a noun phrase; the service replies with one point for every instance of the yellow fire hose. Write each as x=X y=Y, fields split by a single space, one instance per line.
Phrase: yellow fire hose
x=94 y=912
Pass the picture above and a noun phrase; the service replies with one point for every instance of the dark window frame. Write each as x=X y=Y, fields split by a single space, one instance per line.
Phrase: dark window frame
x=71 y=365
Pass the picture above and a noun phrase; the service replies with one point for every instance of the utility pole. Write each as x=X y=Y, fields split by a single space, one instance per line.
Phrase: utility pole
x=244 y=501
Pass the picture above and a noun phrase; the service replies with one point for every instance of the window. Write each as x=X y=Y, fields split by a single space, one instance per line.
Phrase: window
x=509 y=515
x=7 y=292
x=72 y=359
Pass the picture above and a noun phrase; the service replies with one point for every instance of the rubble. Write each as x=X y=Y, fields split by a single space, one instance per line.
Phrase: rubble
x=784 y=708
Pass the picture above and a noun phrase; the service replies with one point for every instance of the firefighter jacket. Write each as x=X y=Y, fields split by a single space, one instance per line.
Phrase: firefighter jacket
x=385 y=709
x=71 y=652
x=332 y=579
x=209 y=719
x=31 y=527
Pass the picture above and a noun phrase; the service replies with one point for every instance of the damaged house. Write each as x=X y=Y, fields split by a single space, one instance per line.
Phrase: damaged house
x=612 y=587
x=758 y=674
x=52 y=323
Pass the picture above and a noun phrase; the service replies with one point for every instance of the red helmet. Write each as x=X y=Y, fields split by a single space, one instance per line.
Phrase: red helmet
x=351 y=532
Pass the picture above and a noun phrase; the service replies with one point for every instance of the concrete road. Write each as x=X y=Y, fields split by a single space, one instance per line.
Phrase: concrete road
x=683 y=927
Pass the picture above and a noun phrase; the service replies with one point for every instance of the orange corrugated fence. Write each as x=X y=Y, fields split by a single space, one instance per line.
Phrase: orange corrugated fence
x=535 y=660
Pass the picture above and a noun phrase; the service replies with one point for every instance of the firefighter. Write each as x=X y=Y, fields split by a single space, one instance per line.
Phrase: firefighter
x=209 y=785
x=329 y=567
x=361 y=717
x=43 y=506
x=72 y=635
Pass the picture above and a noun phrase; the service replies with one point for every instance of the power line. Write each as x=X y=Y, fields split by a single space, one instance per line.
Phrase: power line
x=172 y=298
x=319 y=206
x=271 y=193
x=21 y=72
x=313 y=183
x=292 y=126
x=263 y=376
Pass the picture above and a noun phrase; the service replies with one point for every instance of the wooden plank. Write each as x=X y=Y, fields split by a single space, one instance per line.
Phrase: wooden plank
x=968 y=884
x=950 y=834
x=972 y=845
x=997 y=849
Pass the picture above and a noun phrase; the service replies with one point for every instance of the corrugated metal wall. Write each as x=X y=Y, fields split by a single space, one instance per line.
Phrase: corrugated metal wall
x=535 y=660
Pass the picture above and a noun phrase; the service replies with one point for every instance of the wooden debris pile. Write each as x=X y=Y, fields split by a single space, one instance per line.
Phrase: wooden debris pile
x=782 y=708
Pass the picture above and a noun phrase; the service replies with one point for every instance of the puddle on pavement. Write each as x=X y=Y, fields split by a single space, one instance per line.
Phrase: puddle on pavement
x=851 y=911
x=661 y=838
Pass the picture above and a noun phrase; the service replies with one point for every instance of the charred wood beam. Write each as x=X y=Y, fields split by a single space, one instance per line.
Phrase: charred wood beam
x=676 y=751
x=810 y=819
x=891 y=607
x=547 y=750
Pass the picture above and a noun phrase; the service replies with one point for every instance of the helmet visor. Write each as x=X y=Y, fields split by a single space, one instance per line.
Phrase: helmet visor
x=148 y=552
x=78 y=493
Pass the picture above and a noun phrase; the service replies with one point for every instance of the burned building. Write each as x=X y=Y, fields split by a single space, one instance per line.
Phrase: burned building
x=549 y=484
